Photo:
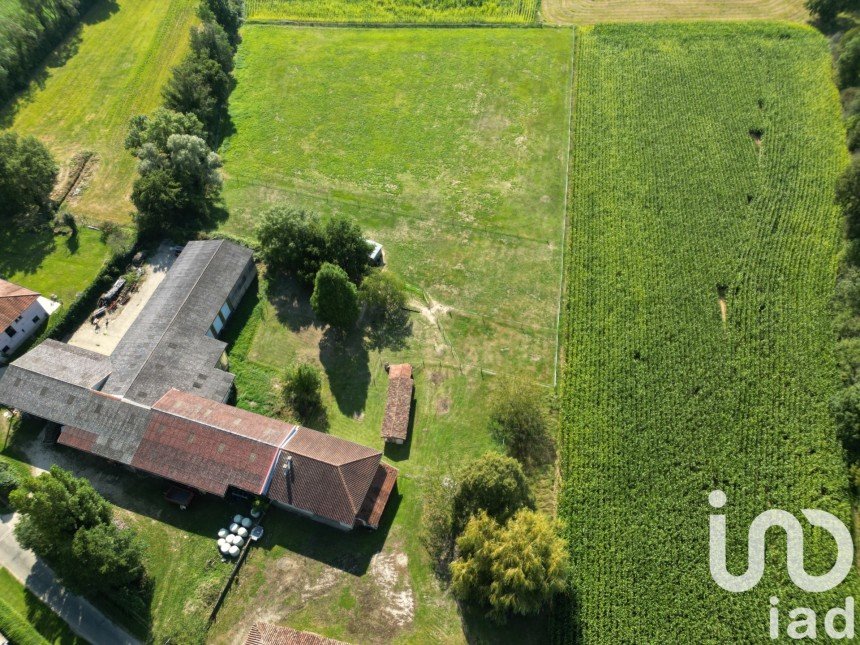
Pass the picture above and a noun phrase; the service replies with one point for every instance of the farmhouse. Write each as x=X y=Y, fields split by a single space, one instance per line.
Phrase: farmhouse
x=398 y=407
x=158 y=403
x=21 y=312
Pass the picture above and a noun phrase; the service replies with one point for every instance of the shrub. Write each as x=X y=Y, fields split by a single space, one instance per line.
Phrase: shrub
x=519 y=421
x=346 y=246
x=9 y=480
x=516 y=568
x=302 y=387
x=437 y=522
x=27 y=176
x=292 y=242
x=493 y=483
x=384 y=295
x=335 y=298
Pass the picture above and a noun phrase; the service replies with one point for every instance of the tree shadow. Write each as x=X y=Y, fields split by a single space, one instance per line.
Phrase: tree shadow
x=73 y=243
x=23 y=251
x=479 y=629
x=347 y=365
x=47 y=623
x=349 y=552
x=391 y=333
x=292 y=303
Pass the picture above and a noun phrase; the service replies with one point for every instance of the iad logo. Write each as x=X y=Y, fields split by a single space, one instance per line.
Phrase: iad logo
x=804 y=623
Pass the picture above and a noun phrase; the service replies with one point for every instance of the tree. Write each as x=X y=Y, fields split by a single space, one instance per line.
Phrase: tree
x=53 y=507
x=209 y=40
x=157 y=128
x=437 y=522
x=825 y=11
x=384 y=295
x=519 y=420
x=66 y=521
x=302 y=387
x=195 y=168
x=346 y=246
x=848 y=64
x=292 y=241
x=848 y=196
x=513 y=569
x=198 y=86
x=228 y=14
x=158 y=198
x=493 y=483
x=27 y=176
x=335 y=298
x=845 y=407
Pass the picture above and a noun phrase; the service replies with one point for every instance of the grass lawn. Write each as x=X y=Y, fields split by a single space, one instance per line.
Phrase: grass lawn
x=395 y=11
x=368 y=587
x=699 y=177
x=38 y=614
x=453 y=158
x=52 y=265
x=110 y=69
x=589 y=12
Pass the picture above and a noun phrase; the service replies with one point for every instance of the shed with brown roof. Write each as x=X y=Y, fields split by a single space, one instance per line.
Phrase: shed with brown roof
x=398 y=407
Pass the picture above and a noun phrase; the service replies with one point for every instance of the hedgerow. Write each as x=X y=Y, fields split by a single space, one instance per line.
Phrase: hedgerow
x=451 y=12
x=703 y=249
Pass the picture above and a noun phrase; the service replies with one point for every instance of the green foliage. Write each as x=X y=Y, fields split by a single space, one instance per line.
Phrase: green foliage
x=346 y=246
x=156 y=129
x=397 y=11
x=9 y=480
x=292 y=241
x=335 y=298
x=64 y=520
x=845 y=406
x=825 y=11
x=227 y=13
x=27 y=176
x=209 y=40
x=519 y=420
x=664 y=402
x=302 y=391
x=384 y=295
x=848 y=196
x=16 y=628
x=437 y=522
x=848 y=64
x=198 y=86
x=495 y=484
x=517 y=568
x=157 y=197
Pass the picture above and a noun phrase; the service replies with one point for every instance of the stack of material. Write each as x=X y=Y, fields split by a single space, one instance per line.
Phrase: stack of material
x=395 y=424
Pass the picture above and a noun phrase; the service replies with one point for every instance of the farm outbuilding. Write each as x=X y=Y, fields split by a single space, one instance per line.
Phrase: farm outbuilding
x=398 y=406
x=22 y=312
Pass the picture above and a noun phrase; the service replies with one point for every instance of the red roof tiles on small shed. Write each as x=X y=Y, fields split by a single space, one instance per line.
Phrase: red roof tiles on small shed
x=398 y=407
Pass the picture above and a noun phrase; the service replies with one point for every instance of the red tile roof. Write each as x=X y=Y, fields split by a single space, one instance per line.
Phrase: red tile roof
x=77 y=438
x=377 y=497
x=395 y=423
x=14 y=301
x=327 y=476
x=209 y=446
x=266 y=634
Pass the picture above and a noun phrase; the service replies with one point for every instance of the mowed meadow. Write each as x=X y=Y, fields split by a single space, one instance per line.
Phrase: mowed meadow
x=109 y=69
x=448 y=146
x=395 y=11
x=703 y=252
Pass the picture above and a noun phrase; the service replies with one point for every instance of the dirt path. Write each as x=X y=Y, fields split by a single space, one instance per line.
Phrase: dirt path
x=104 y=337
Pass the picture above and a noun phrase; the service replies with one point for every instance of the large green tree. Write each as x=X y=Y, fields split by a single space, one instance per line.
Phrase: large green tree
x=198 y=86
x=335 y=298
x=27 y=176
x=292 y=241
x=302 y=391
x=519 y=420
x=515 y=568
x=346 y=246
x=492 y=483
x=156 y=129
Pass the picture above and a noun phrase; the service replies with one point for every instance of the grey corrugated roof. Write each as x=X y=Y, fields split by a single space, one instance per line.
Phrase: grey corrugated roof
x=67 y=363
x=167 y=346
x=118 y=425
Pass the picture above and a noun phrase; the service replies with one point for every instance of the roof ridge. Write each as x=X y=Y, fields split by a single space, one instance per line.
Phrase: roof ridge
x=356 y=507
x=176 y=313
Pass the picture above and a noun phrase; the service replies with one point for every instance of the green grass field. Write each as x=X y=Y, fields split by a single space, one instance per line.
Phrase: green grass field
x=589 y=12
x=453 y=158
x=106 y=72
x=395 y=11
x=676 y=204
x=38 y=614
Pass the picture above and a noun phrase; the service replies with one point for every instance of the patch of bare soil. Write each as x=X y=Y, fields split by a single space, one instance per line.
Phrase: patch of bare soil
x=437 y=378
x=74 y=176
x=389 y=572
x=443 y=405
x=721 y=296
x=433 y=312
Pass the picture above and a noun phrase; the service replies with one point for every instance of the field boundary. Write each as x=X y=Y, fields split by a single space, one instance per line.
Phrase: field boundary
x=317 y=24
x=565 y=220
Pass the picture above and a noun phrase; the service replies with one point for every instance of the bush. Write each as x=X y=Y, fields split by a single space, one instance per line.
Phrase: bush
x=335 y=298
x=519 y=421
x=302 y=388
x=848 y=64
x=845 y=407
x=516 y=568
x=292 y=241
x=494 y=484
x=848 y=197
x=346 y=246
x=9 y=480
x=437 y=522
x=384 y=295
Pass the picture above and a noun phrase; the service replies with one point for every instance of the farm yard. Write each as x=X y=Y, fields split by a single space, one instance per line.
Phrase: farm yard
x=460 y=177
x=700 y=180
x=109 y=70
x=394 y=11
x=589 y=12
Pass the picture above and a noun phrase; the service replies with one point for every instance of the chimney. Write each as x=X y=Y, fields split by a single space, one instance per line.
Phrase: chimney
x=288 y=465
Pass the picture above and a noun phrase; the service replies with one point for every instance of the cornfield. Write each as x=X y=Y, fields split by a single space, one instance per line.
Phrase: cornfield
x=395 y=11
x=699 y=350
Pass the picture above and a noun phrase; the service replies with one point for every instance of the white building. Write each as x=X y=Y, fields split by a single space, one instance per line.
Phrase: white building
x=22 y=312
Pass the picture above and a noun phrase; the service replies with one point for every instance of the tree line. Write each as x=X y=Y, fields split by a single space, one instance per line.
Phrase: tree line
x=30 y=35
x=179 y=181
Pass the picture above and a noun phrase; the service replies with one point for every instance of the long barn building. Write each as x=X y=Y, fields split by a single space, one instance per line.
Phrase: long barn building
x=157 y=403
